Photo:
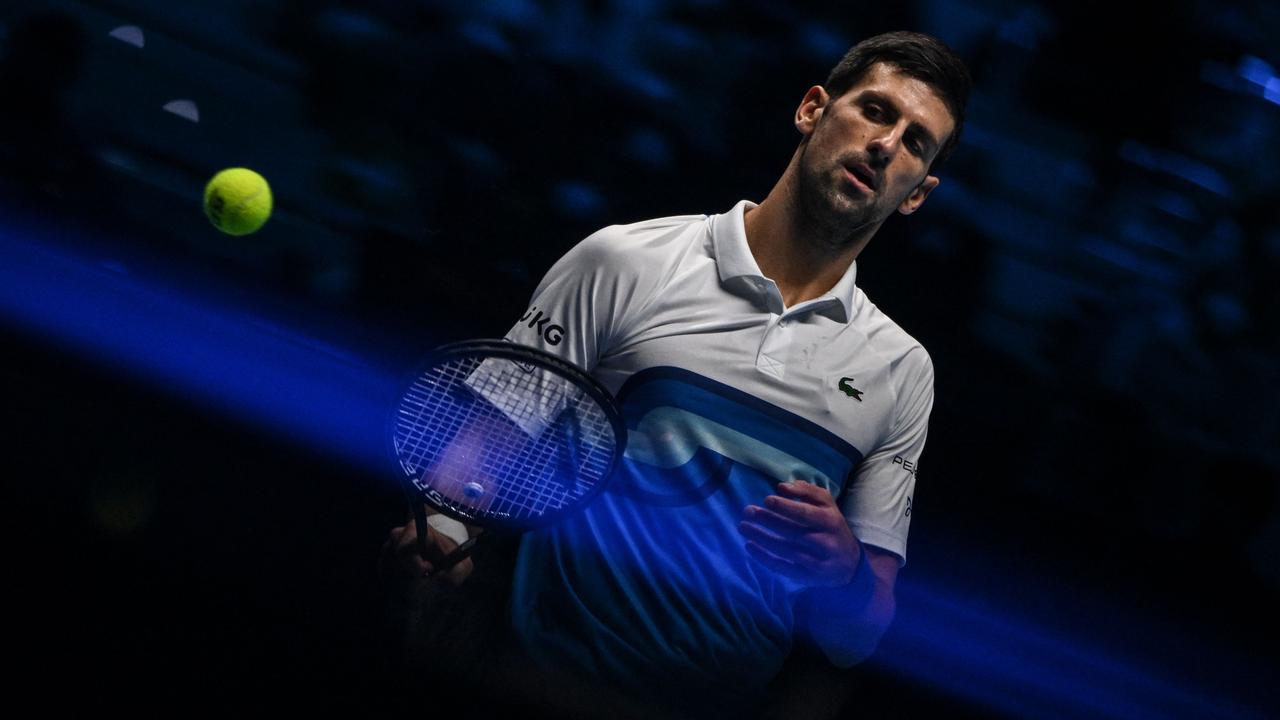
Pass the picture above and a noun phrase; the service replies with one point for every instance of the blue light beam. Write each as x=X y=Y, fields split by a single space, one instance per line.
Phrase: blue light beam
x=1008 y=648
x=197 y=348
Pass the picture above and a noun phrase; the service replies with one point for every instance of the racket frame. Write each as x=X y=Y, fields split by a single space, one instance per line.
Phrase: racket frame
x=484 y=349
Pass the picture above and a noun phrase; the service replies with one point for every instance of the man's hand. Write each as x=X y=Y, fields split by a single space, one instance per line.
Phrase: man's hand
x=801 y=533
x=402 y=561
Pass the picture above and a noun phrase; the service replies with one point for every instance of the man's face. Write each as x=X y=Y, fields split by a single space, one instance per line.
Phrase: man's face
x=867 y=152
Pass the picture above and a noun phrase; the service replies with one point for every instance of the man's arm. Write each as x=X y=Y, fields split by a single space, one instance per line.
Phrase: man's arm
x=849 y=603
x=848 y=637
x=811 y=684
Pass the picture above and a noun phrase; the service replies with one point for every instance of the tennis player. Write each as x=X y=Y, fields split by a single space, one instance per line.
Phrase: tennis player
x=776 y=416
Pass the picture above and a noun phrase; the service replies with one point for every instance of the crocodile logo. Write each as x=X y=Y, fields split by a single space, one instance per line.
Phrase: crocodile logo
x=847 y=388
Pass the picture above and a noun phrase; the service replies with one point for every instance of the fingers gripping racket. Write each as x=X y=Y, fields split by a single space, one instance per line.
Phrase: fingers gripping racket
x=503 y=436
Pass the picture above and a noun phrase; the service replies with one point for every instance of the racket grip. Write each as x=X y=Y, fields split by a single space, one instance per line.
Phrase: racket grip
x=419 y=514
x=420 y=520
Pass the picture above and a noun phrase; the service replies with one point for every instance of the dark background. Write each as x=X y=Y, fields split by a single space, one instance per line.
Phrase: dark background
x=1097 y=527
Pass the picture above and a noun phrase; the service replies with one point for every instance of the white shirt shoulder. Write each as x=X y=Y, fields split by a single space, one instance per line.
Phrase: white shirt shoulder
x=601 y=286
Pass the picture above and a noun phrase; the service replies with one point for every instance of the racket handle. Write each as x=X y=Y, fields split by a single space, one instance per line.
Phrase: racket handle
x=420 y=519
x=419 y=514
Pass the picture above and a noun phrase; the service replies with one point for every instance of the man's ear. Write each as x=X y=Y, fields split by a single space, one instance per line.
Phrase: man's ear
x=917 y=196
x=811 y=109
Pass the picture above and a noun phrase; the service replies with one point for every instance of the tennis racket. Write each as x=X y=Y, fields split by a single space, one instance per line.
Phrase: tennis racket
x=503 y=436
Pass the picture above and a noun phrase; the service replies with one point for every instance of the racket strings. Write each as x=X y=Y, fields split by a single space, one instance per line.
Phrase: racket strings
x=497 y=438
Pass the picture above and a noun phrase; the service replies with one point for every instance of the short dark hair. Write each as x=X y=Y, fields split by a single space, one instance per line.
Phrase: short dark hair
x=917 y=55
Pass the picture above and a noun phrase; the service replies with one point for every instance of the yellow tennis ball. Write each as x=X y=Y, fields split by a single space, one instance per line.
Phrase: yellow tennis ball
x=237 y=201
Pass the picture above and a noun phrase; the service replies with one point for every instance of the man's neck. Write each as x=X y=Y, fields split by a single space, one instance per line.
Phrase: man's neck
x=798 y=257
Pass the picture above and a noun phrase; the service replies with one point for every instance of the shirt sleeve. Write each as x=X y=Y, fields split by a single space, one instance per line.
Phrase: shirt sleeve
x=586 y=300
x=583 y=303
x=877 y=503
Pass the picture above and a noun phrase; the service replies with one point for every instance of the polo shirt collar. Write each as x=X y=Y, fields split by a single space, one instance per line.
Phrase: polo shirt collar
x=739 y=271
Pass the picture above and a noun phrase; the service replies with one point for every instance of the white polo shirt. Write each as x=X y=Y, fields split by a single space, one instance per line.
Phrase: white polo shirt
x=725 y=392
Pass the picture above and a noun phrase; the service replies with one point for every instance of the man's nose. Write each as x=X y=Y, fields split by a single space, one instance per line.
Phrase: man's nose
x=885 y=145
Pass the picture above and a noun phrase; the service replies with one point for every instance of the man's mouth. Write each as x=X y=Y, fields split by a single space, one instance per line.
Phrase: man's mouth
x=863 y=176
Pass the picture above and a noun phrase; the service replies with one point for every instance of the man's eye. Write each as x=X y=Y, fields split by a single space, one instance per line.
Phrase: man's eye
x=874 y=112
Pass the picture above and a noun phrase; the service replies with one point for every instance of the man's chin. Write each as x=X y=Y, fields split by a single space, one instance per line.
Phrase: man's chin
x=845 y=211
x=835 y=209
